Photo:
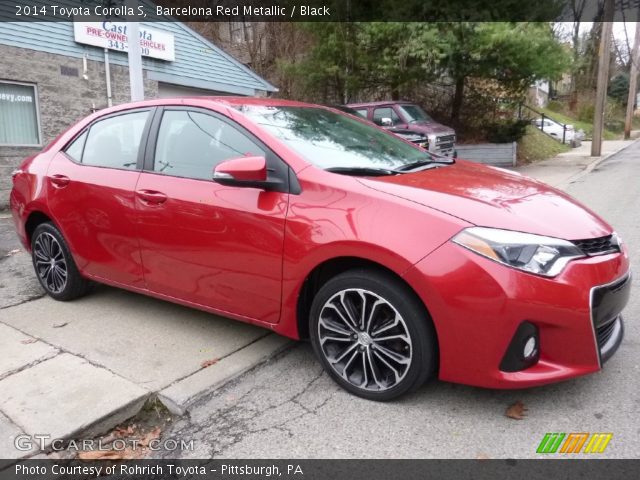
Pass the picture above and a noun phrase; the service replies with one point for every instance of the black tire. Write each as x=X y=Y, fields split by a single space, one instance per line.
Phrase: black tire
x=360 y=289
x=63 y=281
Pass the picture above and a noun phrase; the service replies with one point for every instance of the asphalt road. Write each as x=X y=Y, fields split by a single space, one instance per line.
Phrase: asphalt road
x=288 y=408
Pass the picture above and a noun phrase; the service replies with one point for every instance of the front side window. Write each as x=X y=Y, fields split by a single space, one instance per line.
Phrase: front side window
x=18 y=115
x=114 y=142
x=190 y=144
x=383 y=113
x=329 y=139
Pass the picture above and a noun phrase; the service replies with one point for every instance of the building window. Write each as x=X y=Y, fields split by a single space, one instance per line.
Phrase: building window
x=18 y=114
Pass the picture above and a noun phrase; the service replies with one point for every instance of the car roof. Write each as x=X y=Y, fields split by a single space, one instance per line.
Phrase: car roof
x=228 y=101
x=379 y=103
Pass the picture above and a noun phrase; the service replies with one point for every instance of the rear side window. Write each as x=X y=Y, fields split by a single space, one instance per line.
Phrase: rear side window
x=76 y=148
x=362 y=112
x=190 y=144
x=114 y=142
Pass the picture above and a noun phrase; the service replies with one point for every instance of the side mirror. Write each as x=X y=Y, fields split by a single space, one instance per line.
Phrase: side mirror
x=386 y=122
x=243 y=171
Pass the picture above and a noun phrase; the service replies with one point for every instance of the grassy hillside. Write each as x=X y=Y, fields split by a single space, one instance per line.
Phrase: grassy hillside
x=536 y=145
x=578 y=125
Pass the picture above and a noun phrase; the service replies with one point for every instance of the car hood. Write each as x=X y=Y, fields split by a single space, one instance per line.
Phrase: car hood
x=431 y=128
x=493 y=197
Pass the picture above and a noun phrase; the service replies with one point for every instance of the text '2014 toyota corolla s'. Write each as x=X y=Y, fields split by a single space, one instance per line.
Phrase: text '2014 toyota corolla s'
x=399 y=266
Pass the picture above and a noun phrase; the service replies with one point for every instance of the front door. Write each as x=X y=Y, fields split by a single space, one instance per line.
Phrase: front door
x=213 y=245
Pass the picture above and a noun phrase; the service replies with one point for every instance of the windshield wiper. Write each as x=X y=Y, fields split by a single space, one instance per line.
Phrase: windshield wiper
x=411 y=166
x=363 y=171
x=433 y=162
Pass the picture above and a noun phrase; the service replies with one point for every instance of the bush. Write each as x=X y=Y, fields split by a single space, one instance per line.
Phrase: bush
x=586 y=113
x=506 y=131
x=555 y=106
x=616 y=126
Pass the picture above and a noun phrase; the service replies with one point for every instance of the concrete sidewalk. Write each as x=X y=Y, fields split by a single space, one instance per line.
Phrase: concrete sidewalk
x=562 y=170
x=77 y=369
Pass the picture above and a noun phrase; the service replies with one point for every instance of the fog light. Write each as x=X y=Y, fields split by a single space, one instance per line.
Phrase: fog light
x=530 y=348
x=523 y=350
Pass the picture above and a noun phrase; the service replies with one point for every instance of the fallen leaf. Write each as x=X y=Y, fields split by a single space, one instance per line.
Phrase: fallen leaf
x=482 y=456
x=125 y=432
x=60 y=325
x=150 y=436
x=126 y=454
x=29 y=340
x=13 y=252
x=516 y=411
x=208 y=363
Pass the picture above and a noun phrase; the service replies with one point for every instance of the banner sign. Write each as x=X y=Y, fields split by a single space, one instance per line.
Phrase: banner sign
x=113 y=35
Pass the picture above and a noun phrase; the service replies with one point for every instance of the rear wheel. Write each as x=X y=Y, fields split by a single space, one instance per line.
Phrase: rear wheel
x=54 y=265
x=372 y=335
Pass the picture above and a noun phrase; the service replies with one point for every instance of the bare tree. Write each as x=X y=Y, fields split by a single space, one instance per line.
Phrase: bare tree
x=577 y=10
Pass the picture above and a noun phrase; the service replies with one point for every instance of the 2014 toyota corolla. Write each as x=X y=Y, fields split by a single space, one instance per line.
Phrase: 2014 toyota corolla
x=398 y=265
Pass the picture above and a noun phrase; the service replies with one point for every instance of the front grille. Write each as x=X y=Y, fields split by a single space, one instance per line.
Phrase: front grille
x=446 y=139
x=445 y=146
x=603 y=333
x=598 y=246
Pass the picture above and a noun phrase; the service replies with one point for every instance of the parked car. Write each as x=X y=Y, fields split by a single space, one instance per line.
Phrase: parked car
x=407 y=116
x=562 y=133
x=419 y=139
x=398 y=266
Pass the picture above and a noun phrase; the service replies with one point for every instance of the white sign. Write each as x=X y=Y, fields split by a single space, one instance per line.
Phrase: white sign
x=113 y=35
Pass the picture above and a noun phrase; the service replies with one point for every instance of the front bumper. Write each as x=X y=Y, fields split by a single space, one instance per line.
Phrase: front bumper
x=477 y=305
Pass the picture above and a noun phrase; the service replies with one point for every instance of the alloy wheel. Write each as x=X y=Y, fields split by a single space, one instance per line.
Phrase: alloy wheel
x=50 y=262
x=365 y=340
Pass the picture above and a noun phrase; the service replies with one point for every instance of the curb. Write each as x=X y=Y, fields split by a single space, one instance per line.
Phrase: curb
x=181 y=395
x=593 y=165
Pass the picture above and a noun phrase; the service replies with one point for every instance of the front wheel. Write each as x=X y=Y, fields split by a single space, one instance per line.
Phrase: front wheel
x=372 y=335
x=54 y=265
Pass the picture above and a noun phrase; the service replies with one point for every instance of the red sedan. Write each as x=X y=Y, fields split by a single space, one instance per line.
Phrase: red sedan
x=398 y=265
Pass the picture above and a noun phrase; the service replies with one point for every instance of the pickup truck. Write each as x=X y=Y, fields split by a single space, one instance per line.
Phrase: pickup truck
x=409 y=118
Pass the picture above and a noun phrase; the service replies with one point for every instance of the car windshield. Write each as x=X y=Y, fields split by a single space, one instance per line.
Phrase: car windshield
x=330 y=140
x=414 y=114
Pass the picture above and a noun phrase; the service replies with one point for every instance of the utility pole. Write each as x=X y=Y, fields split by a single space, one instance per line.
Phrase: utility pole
x=135 y=55
x=633 y=79
x=604 y=58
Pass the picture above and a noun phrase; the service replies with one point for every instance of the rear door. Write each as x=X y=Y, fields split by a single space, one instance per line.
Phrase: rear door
x=92 y=196
x=202 y=242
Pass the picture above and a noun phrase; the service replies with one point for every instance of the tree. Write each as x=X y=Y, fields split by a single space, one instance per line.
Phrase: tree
x=619 y=88
x=327 y=71
x=513 y=55
x=349 y=59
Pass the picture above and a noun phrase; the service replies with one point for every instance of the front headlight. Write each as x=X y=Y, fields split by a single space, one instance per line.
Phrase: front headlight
x=532 y=253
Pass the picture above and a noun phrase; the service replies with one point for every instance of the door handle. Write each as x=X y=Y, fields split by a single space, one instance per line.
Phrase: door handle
x=59 y=181
x=151 y=197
